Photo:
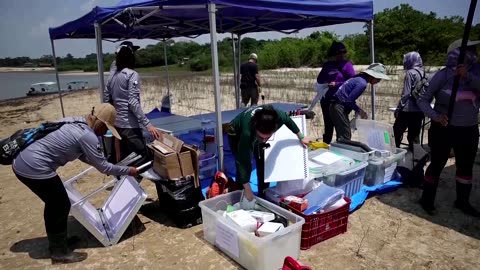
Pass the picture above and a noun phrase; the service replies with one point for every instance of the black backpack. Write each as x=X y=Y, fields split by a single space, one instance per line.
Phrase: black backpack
x=11 y=146
x=420 y=85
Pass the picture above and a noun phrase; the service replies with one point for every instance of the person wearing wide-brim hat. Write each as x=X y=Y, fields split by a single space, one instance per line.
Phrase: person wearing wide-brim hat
x=460 y=132
x=344 y=100
x=36 y=166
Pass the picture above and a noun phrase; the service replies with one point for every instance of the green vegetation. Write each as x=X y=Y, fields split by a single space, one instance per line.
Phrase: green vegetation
x=397 y=31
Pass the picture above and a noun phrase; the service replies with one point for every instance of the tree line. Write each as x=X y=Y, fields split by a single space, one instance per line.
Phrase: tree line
x=396 y=31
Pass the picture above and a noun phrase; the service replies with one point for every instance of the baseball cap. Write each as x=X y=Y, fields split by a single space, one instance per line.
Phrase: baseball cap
x=107 y=114
x=253 y=56
x=128 y=44
x=378 y=71
x=458 y=43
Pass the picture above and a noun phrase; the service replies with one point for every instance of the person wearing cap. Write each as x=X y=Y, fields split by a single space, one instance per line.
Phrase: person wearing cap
x=123 y=91
x=36 y=167
x=250 y=81
x=460 y=132
x=408 y=115
x=335 y=73
x=113 y=66
x=344 y=100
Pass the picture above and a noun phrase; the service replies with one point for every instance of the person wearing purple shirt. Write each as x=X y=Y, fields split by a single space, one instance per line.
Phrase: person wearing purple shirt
x=335 y=73
x=344 y=100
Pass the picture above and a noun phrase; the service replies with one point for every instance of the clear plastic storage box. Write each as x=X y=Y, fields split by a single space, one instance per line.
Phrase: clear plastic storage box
x=382 y=170
x=250 y=251
x=350 y=180
x=376 y=134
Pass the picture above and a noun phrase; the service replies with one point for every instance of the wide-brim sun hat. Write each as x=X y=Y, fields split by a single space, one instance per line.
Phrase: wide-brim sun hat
x=378 y=71
x=458 y=43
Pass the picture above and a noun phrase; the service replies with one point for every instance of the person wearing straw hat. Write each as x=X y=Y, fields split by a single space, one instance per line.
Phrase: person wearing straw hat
x=36 y=166
x=344 y=100
x=460 y=132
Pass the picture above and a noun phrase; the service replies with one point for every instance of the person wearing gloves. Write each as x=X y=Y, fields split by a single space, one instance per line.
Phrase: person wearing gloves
x=123 y=91
x=460 y=132
x=408 y=115
x=344 y=100
x=334 y=73
x=247 y=133
x=36 y=167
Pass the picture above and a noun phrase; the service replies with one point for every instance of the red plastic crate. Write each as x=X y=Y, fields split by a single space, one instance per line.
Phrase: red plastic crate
x=320 y=227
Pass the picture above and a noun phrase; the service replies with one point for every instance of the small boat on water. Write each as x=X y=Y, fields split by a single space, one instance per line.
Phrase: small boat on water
x=46 y=88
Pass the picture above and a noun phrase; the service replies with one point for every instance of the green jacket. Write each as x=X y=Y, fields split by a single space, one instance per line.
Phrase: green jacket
x=246 y=137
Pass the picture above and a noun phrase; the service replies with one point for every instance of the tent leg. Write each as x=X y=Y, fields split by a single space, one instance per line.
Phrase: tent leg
x=235 y=71
x=372 y=60
x=56 y=75
x=216 y=81
x=101 y=79
x=239 y=59
x=166 y=65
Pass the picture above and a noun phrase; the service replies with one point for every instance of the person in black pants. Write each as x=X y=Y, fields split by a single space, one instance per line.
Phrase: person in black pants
x=460 y=132
x=250 y=81
x=408 y=115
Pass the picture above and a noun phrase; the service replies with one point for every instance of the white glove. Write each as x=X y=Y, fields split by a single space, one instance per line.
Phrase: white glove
x=245 y=204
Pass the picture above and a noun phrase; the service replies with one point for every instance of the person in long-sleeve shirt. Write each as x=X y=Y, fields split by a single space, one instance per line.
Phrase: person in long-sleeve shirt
x=345 y=99
x=460 y=132
x=36 y=165
x=335 y=73
x=123 y=91
x=247 y=133
x=408 y=115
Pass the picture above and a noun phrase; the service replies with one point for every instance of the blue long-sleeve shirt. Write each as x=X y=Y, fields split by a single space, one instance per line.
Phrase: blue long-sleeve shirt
x=350 y=91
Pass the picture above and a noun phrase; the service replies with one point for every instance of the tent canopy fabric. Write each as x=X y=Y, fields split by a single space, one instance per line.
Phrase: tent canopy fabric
x=158 y=19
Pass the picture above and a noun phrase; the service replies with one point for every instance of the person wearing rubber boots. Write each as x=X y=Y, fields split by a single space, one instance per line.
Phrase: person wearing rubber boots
x=249 y=132
x=460 y=132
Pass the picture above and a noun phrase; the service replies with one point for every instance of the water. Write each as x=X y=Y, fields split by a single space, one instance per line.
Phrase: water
x=17 y=84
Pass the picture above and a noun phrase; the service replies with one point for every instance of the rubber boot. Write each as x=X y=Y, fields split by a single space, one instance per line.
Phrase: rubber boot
x=463 y=200
x=428 y=197
x=60 y=253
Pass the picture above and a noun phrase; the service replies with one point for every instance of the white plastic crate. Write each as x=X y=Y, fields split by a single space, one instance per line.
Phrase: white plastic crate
x=250 y=251
x=380 y=171
x=350 y=181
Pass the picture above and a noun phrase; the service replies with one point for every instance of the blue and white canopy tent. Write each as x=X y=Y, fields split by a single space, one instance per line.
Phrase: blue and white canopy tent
x=165 y=19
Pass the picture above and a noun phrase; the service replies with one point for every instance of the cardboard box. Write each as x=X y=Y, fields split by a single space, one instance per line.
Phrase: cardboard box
x=173 y=159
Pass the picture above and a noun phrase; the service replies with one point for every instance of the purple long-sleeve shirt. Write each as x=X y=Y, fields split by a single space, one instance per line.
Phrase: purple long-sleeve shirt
x=335 y=71
x=350 y=91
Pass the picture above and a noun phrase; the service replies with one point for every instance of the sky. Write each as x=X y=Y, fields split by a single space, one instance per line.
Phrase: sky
x=24 y=24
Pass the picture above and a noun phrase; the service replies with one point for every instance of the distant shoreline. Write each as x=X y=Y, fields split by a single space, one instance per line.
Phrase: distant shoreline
x=46 y=69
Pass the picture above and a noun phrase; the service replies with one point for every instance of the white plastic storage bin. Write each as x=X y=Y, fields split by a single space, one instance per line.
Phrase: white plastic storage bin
x=350 y=181
x=376 y=134
x=380 y=171
x=323 y=162
x=250 y=251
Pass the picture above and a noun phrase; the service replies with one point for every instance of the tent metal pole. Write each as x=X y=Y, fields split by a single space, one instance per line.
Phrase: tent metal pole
x=372 y=60
x=235 y=71
x=166 y=65
x=56 y=75
x=216 y=82
x=239 y=63
x=101 y=79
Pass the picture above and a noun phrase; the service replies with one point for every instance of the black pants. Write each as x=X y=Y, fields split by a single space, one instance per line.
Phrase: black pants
x=249 y=94
x=327 y=121
x=259 y=155
x=463 y=140
x=57 y=205
x=133 y=141
x=339 y=114
x=411 y=121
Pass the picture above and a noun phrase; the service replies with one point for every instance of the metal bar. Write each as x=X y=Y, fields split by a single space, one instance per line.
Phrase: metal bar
x=235 y=84
x=98 y=190
x=56 y=76
x=372 y=60
x=461 y=58
x=119 y=22
x=239 y=62
x=151 y=13
x=98 y=36
x=166 y=66
x=76 y=177
x=216 y=81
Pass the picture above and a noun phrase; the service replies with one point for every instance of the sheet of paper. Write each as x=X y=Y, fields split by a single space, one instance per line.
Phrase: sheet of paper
x=287 y=158
x=327 y=158
x=227 y=239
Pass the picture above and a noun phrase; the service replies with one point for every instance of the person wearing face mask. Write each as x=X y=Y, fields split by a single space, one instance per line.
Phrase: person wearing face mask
x=36 y=165
x=460 y=132
x=247 y=133
x=345 y=99
x=335 y=73
x=408 y=115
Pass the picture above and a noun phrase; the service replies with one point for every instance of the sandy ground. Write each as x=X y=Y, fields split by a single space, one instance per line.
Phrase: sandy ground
x=389 y=231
